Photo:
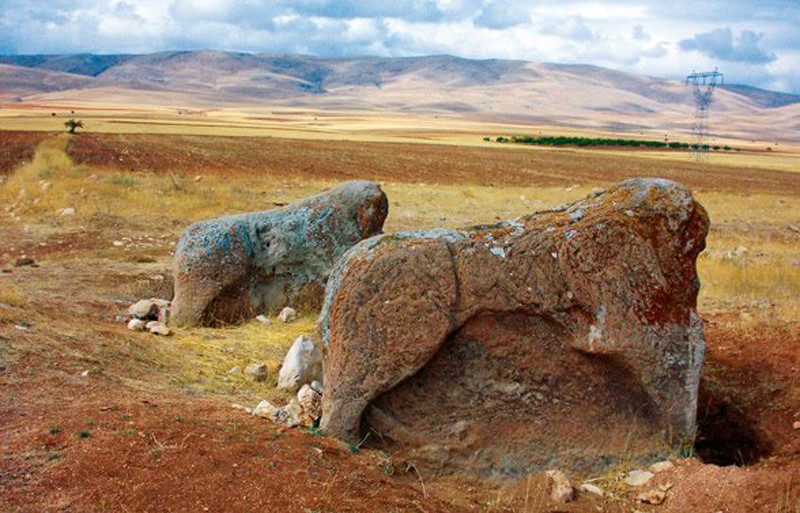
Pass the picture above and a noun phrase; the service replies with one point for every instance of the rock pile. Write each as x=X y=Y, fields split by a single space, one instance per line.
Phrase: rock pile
x=231 y=268
x=508 y=348
x=304 y=410
x=150 y=315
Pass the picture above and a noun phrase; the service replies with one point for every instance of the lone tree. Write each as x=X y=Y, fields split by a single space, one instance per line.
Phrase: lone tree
x=73 y=125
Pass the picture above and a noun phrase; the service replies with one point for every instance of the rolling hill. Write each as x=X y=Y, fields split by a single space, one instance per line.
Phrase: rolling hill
x=557 y=94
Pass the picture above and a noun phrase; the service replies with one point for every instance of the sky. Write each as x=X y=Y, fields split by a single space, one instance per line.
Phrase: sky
x=751 y=42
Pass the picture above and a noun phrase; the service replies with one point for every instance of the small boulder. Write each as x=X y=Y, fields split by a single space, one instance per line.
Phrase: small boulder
x=158 y=328
x=590 y=488
x=311 y=402
x=302 y=364
x=137 y=325
x=265 y=410
x=638 y=477
x=288 y=315
x=145 y=309
x=560 y=488
x=263 y=319
x=257 y=371
x=290 y=415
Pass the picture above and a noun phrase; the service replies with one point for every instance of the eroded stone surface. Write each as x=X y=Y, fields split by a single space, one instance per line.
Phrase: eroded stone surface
x=568 y=337
x=231 y=268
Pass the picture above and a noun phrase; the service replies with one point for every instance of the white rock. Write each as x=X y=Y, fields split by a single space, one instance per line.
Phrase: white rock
x=590 y=488
x=235 y=370
x=265 y=410
x=796 y=425
x=159 y=328
x=144 y=309
x=136 y=325
x=241 y=407
x=263 y=319
x=560 y=488
x=661 y=466
x=311 y=402
x=69 y=211
x=118 y=243
x=302 y=364
x=290 y=415
x=85 y=373
x=257 y=371
x=638 y=477
x=288 y=315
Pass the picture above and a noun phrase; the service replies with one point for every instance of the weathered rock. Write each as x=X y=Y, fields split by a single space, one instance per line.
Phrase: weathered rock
x=290 y=415
x=265 y=410
x=235 y=370
x=593 y=489
x=311 y=402
x=288 y=315
x=638 y=477
x=302 y=364
x=145 y=309
x=263 y=319
x=158 y=328
x=137 y=324
x=230 y=268
x=506 y=349
x=257 y=371
x=560 y=488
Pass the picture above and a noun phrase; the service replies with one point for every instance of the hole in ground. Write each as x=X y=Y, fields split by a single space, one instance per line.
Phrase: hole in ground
x=725 y=434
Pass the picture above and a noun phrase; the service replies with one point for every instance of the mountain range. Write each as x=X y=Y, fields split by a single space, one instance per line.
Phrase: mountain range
x=558 y=94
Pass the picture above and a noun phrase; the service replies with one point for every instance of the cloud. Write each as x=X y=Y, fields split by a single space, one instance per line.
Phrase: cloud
x=501 y=14
x=574 y=28
x=639 y=34
x=721 y=44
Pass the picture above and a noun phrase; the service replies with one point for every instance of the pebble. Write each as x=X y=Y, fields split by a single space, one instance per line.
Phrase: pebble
x=796 y=425
x=69 y=211
x=590 y=488
x=560 y=488
x=263 y=319
x=288 y=315
x=638 y=477
x=257 y=371
x=235 y=370
x=137 y=325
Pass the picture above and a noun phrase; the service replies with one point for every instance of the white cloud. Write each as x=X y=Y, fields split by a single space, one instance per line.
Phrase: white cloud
x=751 y=42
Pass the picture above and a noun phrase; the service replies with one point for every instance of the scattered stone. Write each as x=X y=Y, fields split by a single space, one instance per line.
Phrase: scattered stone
x=241 y=407
x=198 y=178
x=288 y=315
x=85 y=373
x=159 y=328
x=661 y=466
x=560 y=488
x=290 y=415
x=590 y=488
x=796 y=425
x=263 y=319
x=137 y=324
x=24 y=261
x=235 y=370
x=638 y=477
x=257 y=371
x=145 y=309
x=121 y=318
x=311 y=402
x=265 y=410
x=118 y=243
x=654 y=497
x=302 y=364
x=69 y=211
x=230 y=268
